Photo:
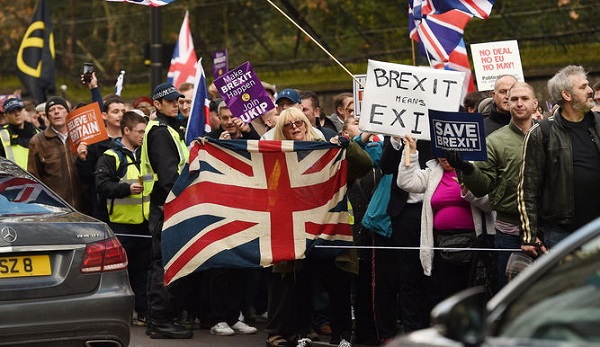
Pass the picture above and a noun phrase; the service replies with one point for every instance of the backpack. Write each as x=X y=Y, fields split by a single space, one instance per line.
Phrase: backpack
x=123 y=164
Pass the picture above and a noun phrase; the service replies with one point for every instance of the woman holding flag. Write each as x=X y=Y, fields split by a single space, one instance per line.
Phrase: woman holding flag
x=291 y=283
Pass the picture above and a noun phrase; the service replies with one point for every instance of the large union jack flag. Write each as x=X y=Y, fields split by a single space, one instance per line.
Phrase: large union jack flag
x=253 y=204
x=438 y=27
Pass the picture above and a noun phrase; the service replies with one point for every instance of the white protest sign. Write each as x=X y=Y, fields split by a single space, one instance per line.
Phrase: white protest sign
x=358 y=91
x=494 y=59
x=397 y=98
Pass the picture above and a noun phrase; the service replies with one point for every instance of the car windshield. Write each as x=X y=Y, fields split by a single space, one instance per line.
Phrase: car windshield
x=20 y=195
x=564 y=304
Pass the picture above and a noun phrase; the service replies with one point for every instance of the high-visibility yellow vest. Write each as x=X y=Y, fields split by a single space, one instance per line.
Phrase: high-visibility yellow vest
x=134 y=208
x=15 y=153
x=146 y=167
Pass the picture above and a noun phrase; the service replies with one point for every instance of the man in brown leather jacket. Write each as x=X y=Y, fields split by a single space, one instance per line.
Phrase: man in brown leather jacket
x=51 y=160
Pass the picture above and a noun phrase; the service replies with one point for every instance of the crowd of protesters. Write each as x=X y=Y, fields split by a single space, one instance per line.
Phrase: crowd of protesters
x=511 y=201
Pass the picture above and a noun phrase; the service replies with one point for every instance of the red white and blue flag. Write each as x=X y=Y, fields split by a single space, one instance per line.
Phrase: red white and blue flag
x=152 y=3
x=438 y=26
x=250 y=203
x=183 y=62
x=25 y=191
x=477 y=8
x=199 y=119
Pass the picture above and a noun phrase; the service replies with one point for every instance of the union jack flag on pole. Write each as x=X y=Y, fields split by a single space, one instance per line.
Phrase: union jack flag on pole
x=199 y=119
x=438 y=26
x=183 y=62
x=255 y=203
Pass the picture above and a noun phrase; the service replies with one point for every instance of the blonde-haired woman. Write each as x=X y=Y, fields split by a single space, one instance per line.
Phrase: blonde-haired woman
x=291 y=283
x=294 y=125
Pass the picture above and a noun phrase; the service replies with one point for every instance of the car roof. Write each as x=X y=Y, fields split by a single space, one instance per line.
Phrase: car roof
x=8 y=167
x=541 y=266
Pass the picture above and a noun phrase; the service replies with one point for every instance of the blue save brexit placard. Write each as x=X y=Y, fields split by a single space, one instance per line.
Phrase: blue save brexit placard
x=458 y=131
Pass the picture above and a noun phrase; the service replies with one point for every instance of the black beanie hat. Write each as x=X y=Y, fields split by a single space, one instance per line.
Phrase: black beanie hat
x=57 y=100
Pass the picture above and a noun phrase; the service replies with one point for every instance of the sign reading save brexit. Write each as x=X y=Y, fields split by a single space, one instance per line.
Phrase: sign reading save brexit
x=397 y=98
x=85 y=124
x=243 y=92
x=458 y=131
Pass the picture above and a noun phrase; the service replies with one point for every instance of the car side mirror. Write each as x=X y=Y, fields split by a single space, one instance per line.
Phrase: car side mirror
x=462 y=317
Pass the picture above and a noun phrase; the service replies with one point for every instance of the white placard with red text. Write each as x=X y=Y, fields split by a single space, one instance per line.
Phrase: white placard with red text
x=494 y=59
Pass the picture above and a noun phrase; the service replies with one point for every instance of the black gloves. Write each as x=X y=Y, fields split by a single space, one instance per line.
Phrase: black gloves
x=454 y=160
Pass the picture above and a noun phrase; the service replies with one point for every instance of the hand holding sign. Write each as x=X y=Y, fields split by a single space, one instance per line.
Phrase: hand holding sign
x=410 y=143
x=453 y=158
x=82 y=151
x=410 y=147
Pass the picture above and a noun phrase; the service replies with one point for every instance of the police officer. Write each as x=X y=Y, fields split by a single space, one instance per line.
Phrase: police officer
x=119 y=179
x=16 y=134
x=164 y=154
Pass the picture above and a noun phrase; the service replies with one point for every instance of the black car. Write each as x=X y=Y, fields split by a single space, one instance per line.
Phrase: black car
x=553 y=302
x=63 y=275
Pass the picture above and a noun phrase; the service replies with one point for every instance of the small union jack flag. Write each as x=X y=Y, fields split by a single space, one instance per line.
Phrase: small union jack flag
x=438 y=26
x=199 y=119
x=255 y=203
x=183 y=62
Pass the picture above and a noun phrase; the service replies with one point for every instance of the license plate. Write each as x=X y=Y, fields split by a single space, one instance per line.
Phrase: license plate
x=25 y=266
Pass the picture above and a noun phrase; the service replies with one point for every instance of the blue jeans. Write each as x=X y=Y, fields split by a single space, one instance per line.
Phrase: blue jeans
x=553 y=234
x=504 y=241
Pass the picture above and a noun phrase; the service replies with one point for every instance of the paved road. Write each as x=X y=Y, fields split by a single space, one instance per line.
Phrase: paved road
x=203 y=338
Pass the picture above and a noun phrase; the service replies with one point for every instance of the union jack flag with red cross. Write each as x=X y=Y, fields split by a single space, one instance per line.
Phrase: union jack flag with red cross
x=255 y=203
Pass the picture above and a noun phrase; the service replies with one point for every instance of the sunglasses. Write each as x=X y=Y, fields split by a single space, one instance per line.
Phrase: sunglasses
x=295 y=124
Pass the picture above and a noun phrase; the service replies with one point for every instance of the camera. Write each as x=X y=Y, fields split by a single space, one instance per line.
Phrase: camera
x=88 y=68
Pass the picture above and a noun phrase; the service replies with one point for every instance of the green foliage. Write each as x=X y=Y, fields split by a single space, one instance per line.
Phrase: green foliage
x=115 y=36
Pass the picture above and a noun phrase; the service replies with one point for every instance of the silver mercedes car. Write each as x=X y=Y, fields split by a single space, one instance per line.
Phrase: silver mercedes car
x=555 y=302
x=63 y=275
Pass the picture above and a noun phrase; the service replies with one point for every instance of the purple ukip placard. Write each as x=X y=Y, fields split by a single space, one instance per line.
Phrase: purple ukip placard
x=220 y=63
x=243 y=92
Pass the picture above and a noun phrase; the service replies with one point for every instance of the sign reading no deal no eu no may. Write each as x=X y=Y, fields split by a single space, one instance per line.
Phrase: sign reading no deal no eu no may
x=494 y=59
x=397 y=98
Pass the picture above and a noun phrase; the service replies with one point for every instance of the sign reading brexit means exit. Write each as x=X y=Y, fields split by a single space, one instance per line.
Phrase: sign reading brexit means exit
x=397 y=98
